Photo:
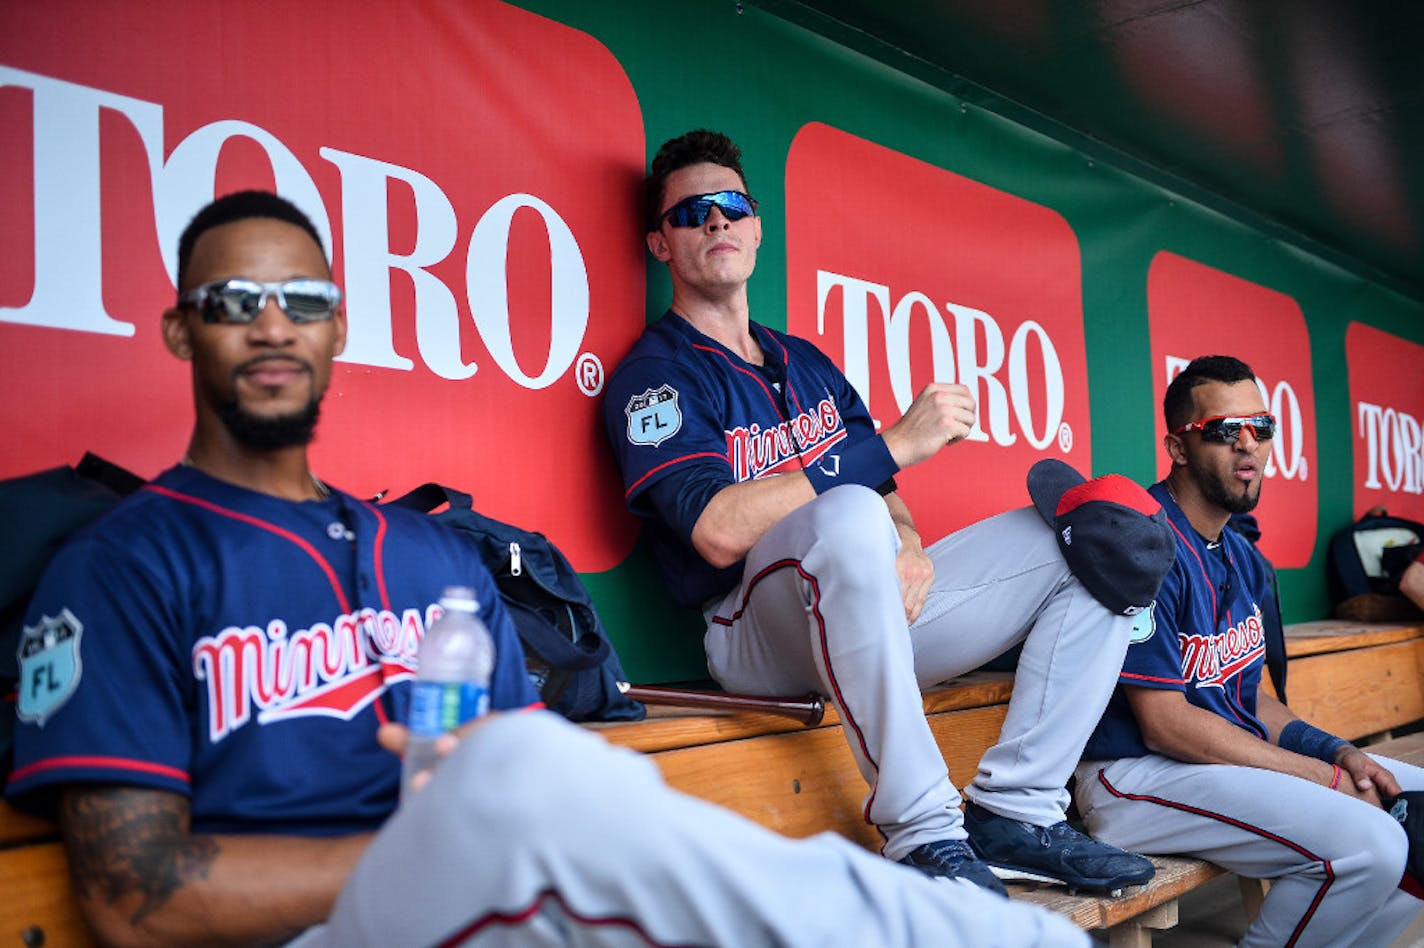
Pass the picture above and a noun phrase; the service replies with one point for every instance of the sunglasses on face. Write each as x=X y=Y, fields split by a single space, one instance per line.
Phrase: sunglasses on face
x=1225 y=429
x=692 y=211
x=239 y=301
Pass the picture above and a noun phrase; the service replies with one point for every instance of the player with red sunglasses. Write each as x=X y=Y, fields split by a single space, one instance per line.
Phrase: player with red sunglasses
x=1191 y=757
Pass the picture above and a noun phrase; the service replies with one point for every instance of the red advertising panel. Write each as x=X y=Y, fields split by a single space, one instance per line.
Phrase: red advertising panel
x=486 y=237
x=1197 y=310
x=1387 y=414
x=904 y=274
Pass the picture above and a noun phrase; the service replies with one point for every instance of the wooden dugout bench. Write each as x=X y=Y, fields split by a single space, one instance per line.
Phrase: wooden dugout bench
x=1359 y=680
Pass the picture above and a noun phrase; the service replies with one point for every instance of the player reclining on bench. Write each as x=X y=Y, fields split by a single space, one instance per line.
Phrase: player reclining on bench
x=816 y=579
x=205 y=670
x=1191 y=756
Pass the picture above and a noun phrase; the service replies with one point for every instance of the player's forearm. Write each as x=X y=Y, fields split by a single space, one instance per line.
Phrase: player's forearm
x=1173 y=727
x=1274 y=714
x=142 y=877
x=900 y=514
x=739 y=515
x=221 y=890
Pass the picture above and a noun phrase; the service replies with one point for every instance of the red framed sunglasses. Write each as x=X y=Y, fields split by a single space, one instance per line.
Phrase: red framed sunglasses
x=1226 y=429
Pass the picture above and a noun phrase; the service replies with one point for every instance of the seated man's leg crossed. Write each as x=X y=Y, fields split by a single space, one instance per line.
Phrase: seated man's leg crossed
x=819 y=607
x=772 y=505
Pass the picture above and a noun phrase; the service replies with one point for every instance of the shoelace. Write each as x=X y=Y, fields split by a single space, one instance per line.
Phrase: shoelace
x=952 y=856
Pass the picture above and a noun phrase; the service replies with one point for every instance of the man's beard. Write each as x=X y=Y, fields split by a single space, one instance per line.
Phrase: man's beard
x=1215 y=491
x=270 y=434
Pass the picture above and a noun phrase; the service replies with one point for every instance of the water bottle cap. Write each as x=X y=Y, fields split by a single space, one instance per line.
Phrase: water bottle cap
x=459 y=597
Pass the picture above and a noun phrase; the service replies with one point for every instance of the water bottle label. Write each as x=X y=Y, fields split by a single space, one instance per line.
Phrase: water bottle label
x=437 y=706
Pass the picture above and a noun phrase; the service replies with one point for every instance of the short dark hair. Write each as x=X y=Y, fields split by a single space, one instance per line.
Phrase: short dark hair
x=239 y=206
x=693 y=148
x=1177 y=404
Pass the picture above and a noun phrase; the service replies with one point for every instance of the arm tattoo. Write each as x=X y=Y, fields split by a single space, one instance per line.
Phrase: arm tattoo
x=124 y=840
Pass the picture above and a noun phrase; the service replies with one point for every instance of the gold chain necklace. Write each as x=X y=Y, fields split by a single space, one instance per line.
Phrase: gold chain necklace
x=322 y=491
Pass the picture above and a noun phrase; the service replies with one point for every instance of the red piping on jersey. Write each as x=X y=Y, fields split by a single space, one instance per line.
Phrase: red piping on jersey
x=112 y=763
x=520 y=916
x=264 y=525
x=1256 y=830
x=747 y=372
x=847 y=718
x=1202 y=566
x=786 y=361
x=379 y=556
x=686 y=457
x=1165 y=681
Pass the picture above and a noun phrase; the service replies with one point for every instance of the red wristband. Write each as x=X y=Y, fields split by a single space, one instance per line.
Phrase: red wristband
x=1335 y=778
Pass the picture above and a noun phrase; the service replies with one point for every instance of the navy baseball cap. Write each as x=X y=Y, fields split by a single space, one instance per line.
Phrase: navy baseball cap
x=1113 y=533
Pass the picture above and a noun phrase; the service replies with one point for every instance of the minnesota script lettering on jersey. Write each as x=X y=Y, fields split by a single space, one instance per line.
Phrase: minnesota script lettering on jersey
x=754 y=451
x=1212 y=660
x=331 y=670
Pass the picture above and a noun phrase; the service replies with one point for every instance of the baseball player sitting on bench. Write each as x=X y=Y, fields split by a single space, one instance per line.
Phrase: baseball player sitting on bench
x=1191 y=756
x=206 y=668
x=772 y=506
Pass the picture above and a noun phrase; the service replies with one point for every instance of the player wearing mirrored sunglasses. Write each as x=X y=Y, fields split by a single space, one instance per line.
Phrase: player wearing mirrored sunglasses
x=213 y=670
x=772 y=504
x=1191 y=756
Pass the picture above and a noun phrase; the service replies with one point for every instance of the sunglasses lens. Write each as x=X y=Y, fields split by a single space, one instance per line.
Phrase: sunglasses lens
x=692 y=211
x=307 y=300
x=236 y=301
x=689 y=213
x=1263 y=427
x=1228 y=430
x=734 y=204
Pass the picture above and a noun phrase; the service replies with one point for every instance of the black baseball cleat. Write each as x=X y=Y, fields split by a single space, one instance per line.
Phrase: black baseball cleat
x=953 y=859
x=1057 y=853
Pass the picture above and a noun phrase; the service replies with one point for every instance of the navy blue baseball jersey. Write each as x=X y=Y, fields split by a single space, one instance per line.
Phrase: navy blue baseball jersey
x=241 y=650
x=1203 y=636
x=687 y=417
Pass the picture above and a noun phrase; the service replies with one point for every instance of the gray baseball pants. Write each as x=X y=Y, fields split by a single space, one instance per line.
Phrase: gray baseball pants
x=1335 y=861
x=536 y=832
x=819 y=608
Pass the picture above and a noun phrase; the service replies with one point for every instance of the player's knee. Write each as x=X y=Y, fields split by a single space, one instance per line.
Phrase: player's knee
x=854 y=520
x=1374 y=849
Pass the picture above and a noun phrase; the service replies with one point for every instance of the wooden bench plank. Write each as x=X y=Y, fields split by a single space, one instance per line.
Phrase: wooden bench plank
x=1360 y=691
x=38 y=903
x=1176 y=875
x=1409 y=749
x=806 y=782
x=18 y=827
x=1334 y=635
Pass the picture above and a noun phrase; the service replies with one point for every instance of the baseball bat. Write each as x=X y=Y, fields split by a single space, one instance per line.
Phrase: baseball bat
x=809 y=710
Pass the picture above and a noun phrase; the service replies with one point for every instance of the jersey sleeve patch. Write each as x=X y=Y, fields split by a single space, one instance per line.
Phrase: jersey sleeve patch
x=1144 y=624
x=653 y=416
x=49 y=666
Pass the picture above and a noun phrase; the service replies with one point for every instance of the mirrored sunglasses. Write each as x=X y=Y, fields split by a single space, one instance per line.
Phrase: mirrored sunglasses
x=239 y=301
x=692 y=211
x=1226 y=429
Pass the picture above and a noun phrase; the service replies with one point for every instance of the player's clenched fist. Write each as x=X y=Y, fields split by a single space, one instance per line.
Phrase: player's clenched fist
x=940 y=415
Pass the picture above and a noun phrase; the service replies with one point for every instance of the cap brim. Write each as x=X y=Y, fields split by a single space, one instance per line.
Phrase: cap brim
x=1047 y=481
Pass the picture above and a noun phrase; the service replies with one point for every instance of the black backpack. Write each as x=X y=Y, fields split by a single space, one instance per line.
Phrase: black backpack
x=1370 y=555
x=570 y=660
x=40 y=511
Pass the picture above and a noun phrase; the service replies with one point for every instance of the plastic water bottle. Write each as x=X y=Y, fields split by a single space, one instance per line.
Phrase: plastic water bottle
x=452 y=679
